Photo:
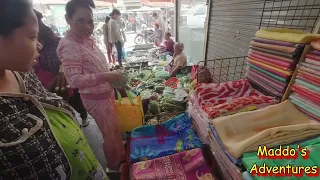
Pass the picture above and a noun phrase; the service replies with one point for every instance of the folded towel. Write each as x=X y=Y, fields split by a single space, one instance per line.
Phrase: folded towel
x=272 y=61
x=279 y=86
x=313 y=57
x=292 y=56
x=311 y=66
x=306 y=104
x=286 y=35
x=268 y=41
x=316 y=44
x=308 y=85
x=271 y=126
x=271 y=90
x=274 y=47
x=313 y=62
x=277 y=71
x=309 y=78
x=279 y=58
x=309 y=70
x=281 y=79
x=306 y=93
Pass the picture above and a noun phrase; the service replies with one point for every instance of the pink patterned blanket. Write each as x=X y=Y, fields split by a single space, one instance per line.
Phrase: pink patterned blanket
x=217 y=93
x=187 y=165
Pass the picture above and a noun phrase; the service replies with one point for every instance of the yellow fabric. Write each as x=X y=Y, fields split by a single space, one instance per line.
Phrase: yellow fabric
x=275 y=125
x=274 y=47
x=129 y=116
x=272 y=67
x=287 y=35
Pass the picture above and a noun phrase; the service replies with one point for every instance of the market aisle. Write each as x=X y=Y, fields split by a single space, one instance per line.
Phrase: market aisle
x=95 y=139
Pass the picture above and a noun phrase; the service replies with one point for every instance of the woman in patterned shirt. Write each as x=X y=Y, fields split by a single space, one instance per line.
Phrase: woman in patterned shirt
x=39 y=136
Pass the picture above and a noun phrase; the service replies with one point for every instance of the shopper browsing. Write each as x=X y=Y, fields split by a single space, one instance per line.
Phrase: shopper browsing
x=161 y=22
x=85 y=68
x=157 y=35
x=39 y=137
x=109 y=46
x=114 y=33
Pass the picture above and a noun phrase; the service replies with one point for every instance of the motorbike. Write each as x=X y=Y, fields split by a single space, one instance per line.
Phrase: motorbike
x=144 y=35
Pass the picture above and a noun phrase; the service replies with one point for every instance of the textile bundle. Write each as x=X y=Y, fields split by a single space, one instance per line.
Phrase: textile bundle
x=153 y=141
x=271 y=126
x=306 y=88
x=187 y=165
x=273 y=57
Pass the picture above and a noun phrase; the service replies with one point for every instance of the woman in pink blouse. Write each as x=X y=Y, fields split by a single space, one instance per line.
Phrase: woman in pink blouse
x=86 y=68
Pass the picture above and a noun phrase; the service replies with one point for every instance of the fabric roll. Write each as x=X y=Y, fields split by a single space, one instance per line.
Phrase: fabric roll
x=313 y=62
x=274 y=47
x=278 y=85
x=265 y=86
x=274 y=42
x=306 y=93
x=188 y=165
x=286 y=35
x=277 y=71
x=272 y=61
x=313 y=57
x=271 y=126
x=308 y=85
x=261 y=70
x=293 y=56
x=276 y=57
x=305 y=104
x=315 y=52
x=309 y=78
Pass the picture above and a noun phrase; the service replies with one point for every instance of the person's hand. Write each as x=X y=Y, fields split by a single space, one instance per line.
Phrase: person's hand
x=113 y=77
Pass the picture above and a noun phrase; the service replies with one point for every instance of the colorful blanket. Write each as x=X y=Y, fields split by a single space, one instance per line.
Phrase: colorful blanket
x=270 y=90
x=217 y=93
x=313 y=57
x=275 y=70
x=279 y=58
x=305 y=104
x=271 y=126
x=187 y=165
x=268 y=41
x=153 y=141
x=313 y=62
x=309 y=78
x=306 y=93
x=309 y=70
x=308 y=85
x=240 y=104
x=286 y=35
x=313 y=146
x=293 y=56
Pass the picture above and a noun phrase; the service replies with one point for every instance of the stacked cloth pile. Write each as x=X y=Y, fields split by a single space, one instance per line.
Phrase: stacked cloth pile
x=306 y=88
x=275 y=125
x=273 y=57
x=170 y=150
x=209 y=101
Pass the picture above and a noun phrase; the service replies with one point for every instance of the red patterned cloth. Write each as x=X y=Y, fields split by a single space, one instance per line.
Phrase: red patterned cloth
x=239 y=104
x=217 y=93
x=187 y=165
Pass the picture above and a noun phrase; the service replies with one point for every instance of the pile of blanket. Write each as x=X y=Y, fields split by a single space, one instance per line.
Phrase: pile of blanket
x=306 y=88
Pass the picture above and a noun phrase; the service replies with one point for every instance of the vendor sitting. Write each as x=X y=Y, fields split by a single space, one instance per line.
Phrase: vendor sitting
x=168 y=44
x=157 y=35
x=179 y=59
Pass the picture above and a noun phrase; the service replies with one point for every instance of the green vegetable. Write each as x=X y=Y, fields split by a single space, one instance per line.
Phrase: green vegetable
x=154 y=107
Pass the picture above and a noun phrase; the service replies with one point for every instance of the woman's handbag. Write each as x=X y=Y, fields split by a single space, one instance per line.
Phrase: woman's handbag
x=129 y=111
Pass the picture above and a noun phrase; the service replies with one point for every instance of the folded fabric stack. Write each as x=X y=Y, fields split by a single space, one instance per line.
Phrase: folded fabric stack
x=306 y=88
x=273 y=57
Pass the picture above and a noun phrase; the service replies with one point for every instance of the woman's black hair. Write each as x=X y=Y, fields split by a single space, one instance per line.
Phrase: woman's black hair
x=71 y=6
x=12 y=15
x=115 y=12
x=107 y=19
x=45 y=33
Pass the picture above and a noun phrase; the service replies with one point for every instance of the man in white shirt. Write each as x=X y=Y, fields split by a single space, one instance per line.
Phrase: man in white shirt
x=160 y=22
x=114 y=33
